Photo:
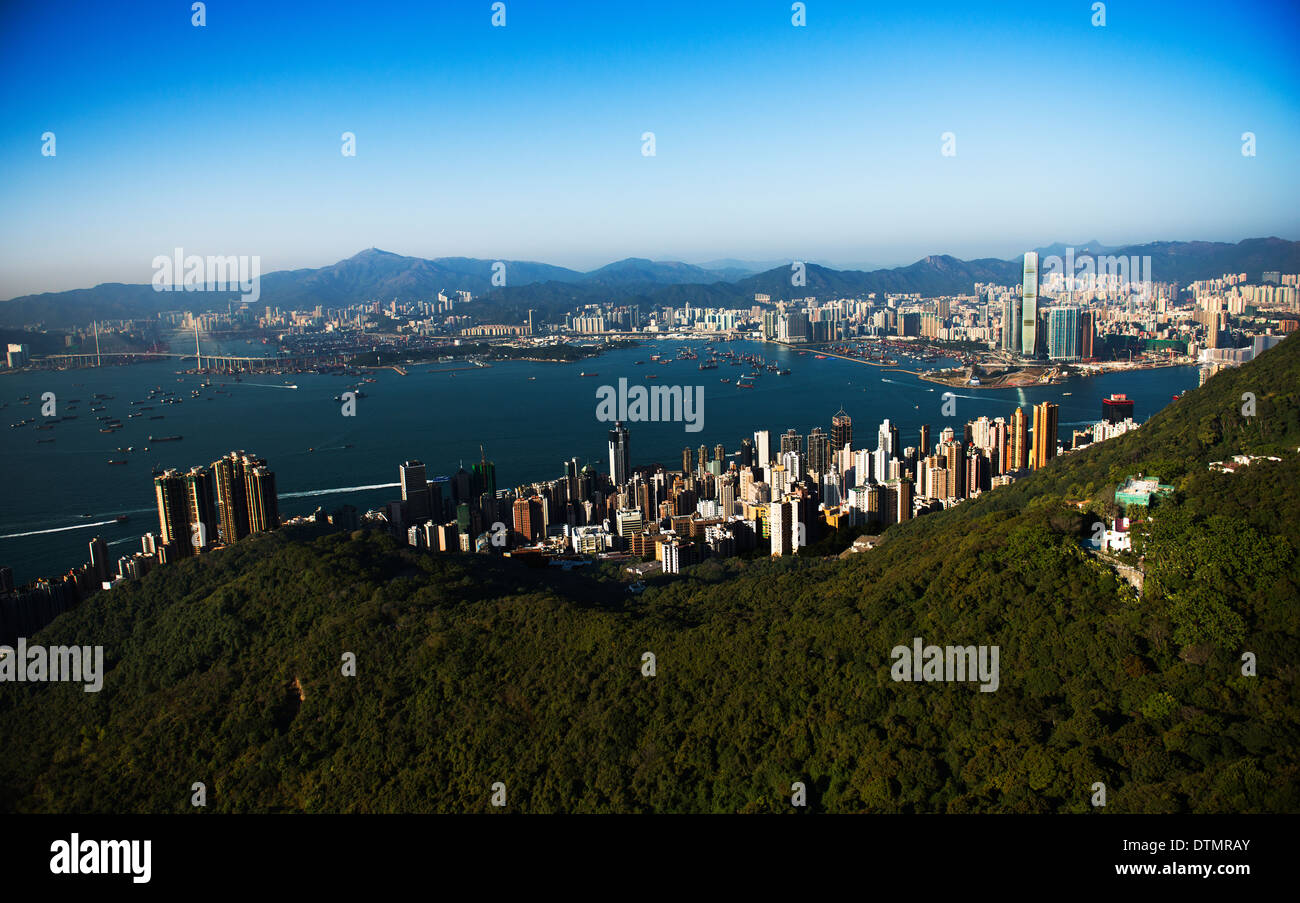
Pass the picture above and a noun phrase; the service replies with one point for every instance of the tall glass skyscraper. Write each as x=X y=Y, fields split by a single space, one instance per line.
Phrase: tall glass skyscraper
x=1063 y=333
x=1011 y=325
x=620 y=454
x=1029 y=307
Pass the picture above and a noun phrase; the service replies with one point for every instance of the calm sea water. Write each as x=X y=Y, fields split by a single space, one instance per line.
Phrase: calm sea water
x=529 y=427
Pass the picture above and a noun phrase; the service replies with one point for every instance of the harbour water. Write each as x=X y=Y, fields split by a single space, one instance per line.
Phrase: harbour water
x=528 y=417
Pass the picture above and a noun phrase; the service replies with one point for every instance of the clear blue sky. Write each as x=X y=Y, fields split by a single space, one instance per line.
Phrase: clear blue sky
x=524 y=142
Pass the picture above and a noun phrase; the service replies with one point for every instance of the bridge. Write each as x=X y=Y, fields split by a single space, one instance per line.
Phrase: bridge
x=207 y=363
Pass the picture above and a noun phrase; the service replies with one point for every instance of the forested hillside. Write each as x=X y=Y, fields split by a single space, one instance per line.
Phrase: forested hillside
x=473 y=670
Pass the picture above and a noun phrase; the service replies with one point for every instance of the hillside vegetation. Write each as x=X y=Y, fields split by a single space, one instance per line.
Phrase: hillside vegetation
x=474 y=670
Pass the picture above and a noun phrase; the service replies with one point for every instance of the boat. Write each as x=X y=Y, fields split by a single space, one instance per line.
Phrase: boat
x=121 y=518
x=725 y=380
x=165 y=438
x=584 y=373
x=1067 y=393
x=117 y=462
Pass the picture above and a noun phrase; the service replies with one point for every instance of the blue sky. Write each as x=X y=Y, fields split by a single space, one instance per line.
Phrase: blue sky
x=524 y=142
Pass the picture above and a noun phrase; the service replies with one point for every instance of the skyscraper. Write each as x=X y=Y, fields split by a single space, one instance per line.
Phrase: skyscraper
x=173 y=512
x=99 y=558
x=1045 y=429
x=620 y=454
x=841 y=431
x=1029 y=307
x=924 y=449
x=780 y=517
x=1019 y=440
x=791 y=442
x=1116 y=408
x=232 y=499
x=415 y=492
x=1063 y=333
x=1087 y=333
x=1011 y=325
x=762 y=448
x=201 y=510
x=955 y=453
x=905 y=492
x=263 y=503
x=484 y=474
x=888 y=439
x=819 y=447
x=527 y=519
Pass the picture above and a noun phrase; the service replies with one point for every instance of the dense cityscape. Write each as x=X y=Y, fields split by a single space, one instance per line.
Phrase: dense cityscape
x=423 y=418
x=775 y=493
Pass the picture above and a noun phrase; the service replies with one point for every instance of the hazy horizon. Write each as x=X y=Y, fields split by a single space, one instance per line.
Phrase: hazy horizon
x=524 y=142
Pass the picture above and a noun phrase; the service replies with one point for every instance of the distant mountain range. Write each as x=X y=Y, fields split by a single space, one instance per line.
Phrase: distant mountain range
x=380 y=275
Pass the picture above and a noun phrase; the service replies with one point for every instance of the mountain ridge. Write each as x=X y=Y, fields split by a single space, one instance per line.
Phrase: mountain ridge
x=374 y=274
